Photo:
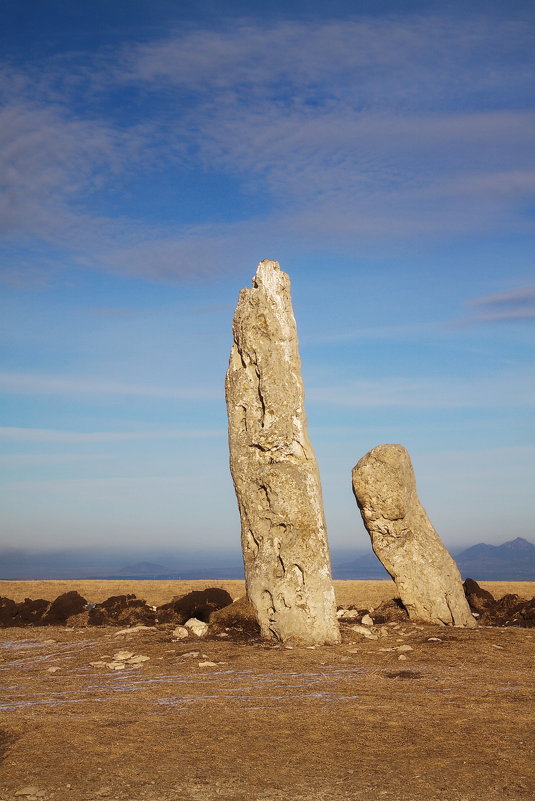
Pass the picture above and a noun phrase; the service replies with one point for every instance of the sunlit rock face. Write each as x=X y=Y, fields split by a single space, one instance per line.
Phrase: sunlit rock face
x=427 y=578
x=284 y=539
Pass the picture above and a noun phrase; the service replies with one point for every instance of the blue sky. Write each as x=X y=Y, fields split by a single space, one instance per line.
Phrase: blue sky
x=152 y=153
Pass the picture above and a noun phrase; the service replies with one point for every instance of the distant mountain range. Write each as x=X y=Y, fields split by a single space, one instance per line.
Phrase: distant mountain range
x=511 y=561
x=150 y=570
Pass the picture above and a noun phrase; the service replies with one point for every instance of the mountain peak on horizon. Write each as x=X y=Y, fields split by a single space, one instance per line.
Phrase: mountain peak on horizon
x=514 y=559
x=517 y=543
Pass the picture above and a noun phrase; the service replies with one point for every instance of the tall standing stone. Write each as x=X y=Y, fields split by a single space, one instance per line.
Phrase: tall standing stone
x=427 y=578
x=284 y=539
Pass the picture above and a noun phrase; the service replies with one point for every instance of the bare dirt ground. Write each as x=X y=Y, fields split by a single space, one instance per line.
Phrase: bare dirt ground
x=450 y=721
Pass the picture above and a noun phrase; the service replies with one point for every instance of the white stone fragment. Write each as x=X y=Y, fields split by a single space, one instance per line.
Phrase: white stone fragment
x=197 y=627
x=122 y=655
x=364 y=630
x=135 y=630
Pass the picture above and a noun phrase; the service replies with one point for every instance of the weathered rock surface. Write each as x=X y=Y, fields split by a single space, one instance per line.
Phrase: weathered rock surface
x=284 y=540
x=180 y=633
x=404 y=540
x=197 y=627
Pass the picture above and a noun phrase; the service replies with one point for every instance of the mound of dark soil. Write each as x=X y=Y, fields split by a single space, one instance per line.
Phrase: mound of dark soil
x=66 y=605
x=478 y=599
x=238 y=616
x=25 y=613
x=8 y=610
x=199 y=603
x=511 y=610
x=121 y=610
x=391 y=611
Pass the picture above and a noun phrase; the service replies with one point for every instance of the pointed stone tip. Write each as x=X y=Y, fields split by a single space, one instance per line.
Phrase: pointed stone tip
x=268 y=275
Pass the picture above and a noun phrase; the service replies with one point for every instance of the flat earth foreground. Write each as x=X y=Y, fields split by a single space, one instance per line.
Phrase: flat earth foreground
x=418 y=713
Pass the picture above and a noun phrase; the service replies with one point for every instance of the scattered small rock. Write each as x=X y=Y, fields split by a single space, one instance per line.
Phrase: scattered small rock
x=402 y=657
x=366 y=620
x=136 y=660
x=434 y=639
x=122 y=655
x=180 y=633
x=31 y=790
x=404 y=648
x=135 y=629
x=197 y=627
x=52 y=669
x=364 y=630
x=207 y=664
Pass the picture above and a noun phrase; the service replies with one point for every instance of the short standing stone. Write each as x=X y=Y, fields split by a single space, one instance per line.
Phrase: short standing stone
x=284 y=539
x=404 y=540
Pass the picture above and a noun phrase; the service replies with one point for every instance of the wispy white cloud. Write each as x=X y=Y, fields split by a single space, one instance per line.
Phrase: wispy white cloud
x=47 y=436
x=508 y=306
x=38 y=384
x=381 y=58
x=371 y=333
x=354 y=131
x=512 y=389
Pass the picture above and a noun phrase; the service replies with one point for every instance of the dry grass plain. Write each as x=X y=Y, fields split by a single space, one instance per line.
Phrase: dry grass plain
x=159 y=592
x=452 y=721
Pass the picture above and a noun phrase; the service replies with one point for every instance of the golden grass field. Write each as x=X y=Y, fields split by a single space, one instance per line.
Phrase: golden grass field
x=448 y=718
x=158 y=592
